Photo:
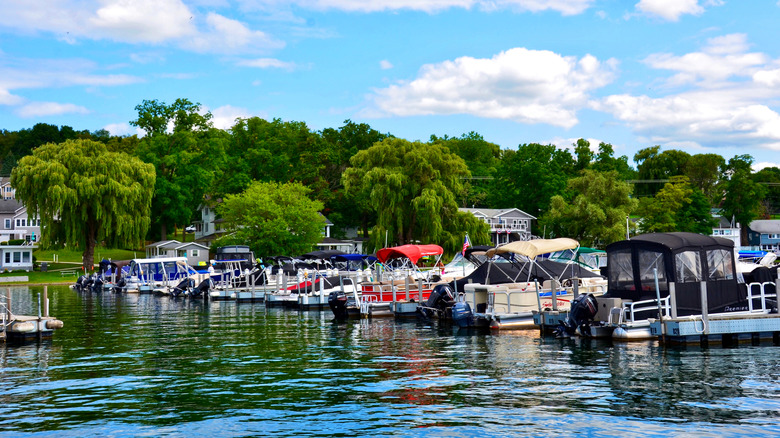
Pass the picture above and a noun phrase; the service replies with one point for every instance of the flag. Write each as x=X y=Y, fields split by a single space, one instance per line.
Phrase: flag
x=466 y=244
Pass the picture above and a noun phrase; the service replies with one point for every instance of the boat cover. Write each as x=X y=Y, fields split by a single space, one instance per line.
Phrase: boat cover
x=533 y=248
x=503 y=272
x=412 y=252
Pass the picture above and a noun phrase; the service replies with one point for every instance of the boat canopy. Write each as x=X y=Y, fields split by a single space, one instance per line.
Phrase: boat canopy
x=683 y=259
x=325 y=254
x=536 y=247
x=412 y=252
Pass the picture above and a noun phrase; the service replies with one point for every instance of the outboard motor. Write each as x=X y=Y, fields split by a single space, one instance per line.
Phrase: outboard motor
x=583 y=309
x=442 y=297
x=80 y=283
x=462 y=314
x=337 y=301
x=183 y=287
x=202 y=289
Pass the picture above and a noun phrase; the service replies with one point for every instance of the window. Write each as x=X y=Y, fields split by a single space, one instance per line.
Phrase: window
x=26 y=257
x=687 y=267
x=719 y=263
x=649 y=262
x=17 y=257
x=7 y=258
x=21 y=222
x=621 y=271
x=8 y=224
x=195 y=252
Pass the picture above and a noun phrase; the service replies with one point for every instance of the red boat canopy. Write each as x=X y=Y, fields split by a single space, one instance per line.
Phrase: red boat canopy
x=412 y=252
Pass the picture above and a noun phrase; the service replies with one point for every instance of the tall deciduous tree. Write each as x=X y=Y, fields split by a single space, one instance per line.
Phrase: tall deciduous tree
x=595 y=210
x=273 y=218
x=742 y=196
x=529 y=177
x=703 y=171
x=652 y=164
x=676 y=207
x=184 y=159
x=481 y=158
x=341 y=144
x=85 y=194
x=413 y=187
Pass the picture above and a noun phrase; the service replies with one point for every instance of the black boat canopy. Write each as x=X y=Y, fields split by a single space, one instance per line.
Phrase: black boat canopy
x=684 y=259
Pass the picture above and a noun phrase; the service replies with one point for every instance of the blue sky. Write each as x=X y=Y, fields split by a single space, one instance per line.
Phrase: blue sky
x=697 y=75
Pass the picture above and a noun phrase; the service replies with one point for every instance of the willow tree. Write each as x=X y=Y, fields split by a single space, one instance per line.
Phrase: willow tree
x=413 y=187
x=85 y=194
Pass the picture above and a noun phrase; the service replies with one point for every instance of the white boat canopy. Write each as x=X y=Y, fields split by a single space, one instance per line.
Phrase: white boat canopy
x=533 y=248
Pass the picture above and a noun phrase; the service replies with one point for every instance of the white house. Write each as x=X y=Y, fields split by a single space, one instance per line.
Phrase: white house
x=506 y=225
x=194 y=252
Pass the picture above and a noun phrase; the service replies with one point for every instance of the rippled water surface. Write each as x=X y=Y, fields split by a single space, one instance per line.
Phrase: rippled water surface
x=130 y=365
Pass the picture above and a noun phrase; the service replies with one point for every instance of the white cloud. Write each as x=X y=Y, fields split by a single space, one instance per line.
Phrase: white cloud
x=385 y=64
x=527 y=86
x=38 y=109
x=143 y=20
x=225 y=117
x=732 y=99
x=7 y=98
x=670 y=9
x=124 y=129
x=722 y=58
x=565 y=7
x=764 y=164
x=136 y=21
x=227 y=35
x=268 y=63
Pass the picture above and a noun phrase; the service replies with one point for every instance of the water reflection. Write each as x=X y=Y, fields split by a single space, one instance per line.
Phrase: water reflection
x=128 y=365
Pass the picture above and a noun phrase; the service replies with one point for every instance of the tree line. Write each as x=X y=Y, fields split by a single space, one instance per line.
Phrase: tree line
x=261 y=175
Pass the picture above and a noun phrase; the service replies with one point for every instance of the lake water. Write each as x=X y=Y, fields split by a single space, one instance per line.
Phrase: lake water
x=136 y=366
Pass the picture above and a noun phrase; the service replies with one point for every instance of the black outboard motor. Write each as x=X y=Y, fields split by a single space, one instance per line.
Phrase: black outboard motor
x=202 y=289
x=79 y=286
x=183 y=287
x=583 y=309
x=442 y=298
x=337 y=301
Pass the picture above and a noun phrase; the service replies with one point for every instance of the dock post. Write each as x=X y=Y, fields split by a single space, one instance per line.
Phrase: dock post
x=46 y=301
x=538 y=298
x=660 y=310
x=8 y=303
x=38 y=327
x=395 y=292
x=704 y=308
x=420 y=291
x=553 y=295
x=673 y=299
x=406 y=283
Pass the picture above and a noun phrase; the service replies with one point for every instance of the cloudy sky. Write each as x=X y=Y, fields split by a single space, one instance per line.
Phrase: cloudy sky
x=697 y=75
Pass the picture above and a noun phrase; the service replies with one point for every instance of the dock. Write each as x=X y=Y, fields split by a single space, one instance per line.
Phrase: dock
x=24 y=328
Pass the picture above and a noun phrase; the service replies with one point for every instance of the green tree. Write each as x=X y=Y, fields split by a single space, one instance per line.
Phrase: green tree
x=769 y=177
x=703 y=171
x=743 y=197
x=676 y=207
x=583 y=153
x=412 y=187
x=272 y=218
x=185 y=160
x=652 y=164
x=85 y=194
x=155 y=116
x=594 y=211
x=481 y=158
x=341 y=144
x=529 y=177
x=605 y=161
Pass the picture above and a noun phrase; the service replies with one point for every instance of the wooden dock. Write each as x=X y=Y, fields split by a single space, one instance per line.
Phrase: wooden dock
x=24 y=328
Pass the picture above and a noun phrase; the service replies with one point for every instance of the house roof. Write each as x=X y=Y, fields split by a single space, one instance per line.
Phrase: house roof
x=10 y=206
x=766 y=226
x=495 y=212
